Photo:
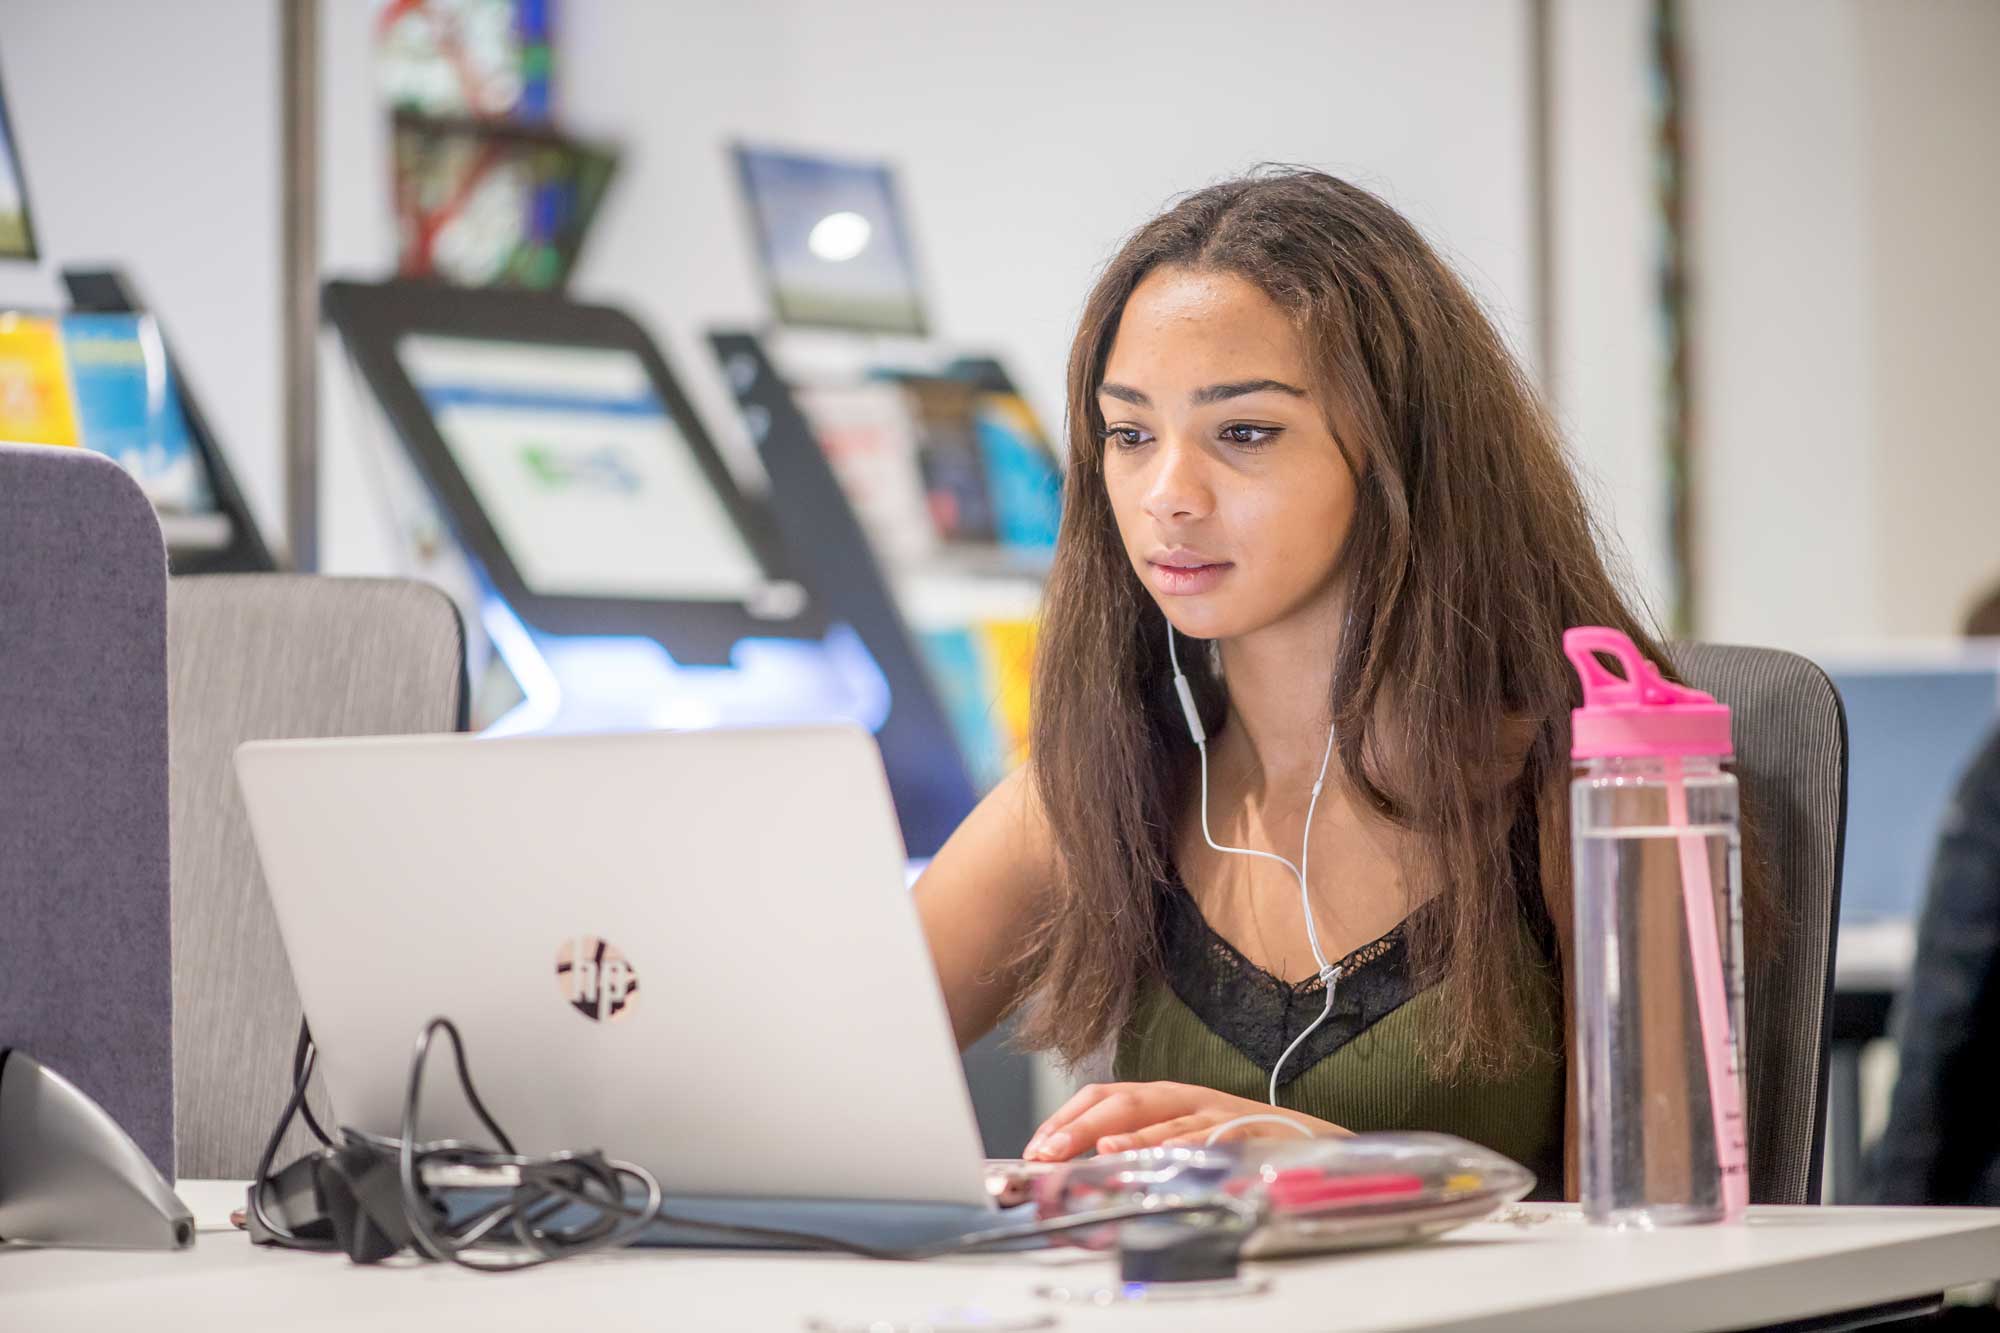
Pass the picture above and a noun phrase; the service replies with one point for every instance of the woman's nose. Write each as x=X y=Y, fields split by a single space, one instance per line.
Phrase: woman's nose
x=1178 y=489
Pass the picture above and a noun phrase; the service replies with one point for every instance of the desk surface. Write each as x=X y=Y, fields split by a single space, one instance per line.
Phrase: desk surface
x=1544 y=1269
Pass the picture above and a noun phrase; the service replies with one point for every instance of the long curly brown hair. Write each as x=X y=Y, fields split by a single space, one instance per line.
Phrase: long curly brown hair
x=1471 y=550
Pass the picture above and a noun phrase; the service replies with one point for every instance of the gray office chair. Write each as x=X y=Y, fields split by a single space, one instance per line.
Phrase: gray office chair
x=1791 y=759
x=252 y=657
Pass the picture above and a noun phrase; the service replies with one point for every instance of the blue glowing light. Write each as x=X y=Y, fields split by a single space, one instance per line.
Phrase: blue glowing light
x=573 y=683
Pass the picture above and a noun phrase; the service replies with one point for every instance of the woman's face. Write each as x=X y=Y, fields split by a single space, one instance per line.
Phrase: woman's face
x=1232 y=496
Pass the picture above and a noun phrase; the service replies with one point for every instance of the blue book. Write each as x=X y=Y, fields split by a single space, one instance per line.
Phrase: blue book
x=128 y=409
x=1020 y=472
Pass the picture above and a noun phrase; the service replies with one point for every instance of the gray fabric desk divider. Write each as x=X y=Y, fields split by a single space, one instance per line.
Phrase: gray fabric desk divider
x=86 y=983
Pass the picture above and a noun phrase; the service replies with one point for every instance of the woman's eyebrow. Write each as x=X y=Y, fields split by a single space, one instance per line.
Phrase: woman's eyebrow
x=1216 y=393
x=1213 y=393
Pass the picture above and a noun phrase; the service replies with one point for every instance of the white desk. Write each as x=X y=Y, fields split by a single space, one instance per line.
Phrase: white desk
x=1547 y=1271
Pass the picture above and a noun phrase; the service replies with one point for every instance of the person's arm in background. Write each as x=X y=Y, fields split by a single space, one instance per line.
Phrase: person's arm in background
x=978 y=897
x=1943 y=1137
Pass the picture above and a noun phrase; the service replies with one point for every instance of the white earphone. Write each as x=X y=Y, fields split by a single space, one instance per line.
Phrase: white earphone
x=1329 y=973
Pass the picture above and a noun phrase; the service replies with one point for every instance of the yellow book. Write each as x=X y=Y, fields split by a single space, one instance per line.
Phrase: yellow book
x=1010 y=656
x=35 y=402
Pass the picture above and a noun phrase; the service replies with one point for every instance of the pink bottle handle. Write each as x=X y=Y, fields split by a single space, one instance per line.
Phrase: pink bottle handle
x=1642 y=685
x=1600 y=687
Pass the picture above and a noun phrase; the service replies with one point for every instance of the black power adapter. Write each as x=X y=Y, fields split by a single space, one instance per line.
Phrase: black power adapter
x=361 y=1196
x=345 y=1198
x=284 y=1209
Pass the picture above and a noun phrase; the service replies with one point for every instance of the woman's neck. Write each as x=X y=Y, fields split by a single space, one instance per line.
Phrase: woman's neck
x=1280 y=683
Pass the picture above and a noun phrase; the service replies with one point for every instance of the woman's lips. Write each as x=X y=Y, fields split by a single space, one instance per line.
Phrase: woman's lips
x=1185 y=581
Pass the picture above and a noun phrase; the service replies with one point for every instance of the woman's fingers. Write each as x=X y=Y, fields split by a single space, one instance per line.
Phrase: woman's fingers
x=1043 y=1144
x=1115 y=1117
x=1124 y=1110
x=1099 y=1109
x=1076 y=1128
x=1195 y=1126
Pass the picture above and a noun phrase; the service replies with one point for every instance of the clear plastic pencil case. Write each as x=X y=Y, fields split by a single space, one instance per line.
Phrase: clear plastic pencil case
x=1305 y=1195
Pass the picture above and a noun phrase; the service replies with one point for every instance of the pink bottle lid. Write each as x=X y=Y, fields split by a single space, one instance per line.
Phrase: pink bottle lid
x=1639 y=715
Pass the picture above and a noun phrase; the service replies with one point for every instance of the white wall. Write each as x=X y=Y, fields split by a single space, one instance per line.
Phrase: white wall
x=1030 y=137
x=148 y=134
x=1932 y=134
x=1788 y=538
x=1845 y=306
x=1608 y=350
x=1850 y=315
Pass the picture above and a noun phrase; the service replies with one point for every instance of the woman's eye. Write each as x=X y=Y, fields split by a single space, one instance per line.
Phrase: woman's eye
x=1123 y=437
x=1242 y=434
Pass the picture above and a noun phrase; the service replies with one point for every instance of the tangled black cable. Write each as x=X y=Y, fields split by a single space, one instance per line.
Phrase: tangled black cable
x=572 y=1203
x=303 y=1055
x=546 y=1186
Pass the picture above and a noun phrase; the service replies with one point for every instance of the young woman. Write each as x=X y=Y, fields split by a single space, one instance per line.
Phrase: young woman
x=1305 y=467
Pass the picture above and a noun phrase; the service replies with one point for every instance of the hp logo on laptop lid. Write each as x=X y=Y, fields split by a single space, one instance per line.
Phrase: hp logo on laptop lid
x=596 y=978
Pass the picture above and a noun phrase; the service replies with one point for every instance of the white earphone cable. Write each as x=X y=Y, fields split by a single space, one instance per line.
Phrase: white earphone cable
x=1329 y=974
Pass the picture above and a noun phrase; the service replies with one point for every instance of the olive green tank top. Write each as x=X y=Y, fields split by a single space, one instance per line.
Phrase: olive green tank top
x=1218 y=1020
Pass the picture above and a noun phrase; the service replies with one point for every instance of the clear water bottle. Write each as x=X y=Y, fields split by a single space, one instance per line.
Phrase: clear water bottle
x=1659 y=945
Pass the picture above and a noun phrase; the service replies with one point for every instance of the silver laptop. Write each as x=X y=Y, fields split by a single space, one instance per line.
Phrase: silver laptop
x=693 y=950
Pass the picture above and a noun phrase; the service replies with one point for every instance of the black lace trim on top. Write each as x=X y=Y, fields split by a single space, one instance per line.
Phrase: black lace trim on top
x=1260 y=1014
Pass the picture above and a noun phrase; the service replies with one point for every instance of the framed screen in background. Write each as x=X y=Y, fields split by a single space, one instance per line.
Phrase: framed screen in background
x=589 y=483
x=832 y=241
x=17 y=228
x=102 y=382
x=561 y=450
x=1912 y=727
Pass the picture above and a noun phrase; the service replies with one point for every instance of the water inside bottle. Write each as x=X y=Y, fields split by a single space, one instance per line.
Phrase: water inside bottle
x=1649 y=1157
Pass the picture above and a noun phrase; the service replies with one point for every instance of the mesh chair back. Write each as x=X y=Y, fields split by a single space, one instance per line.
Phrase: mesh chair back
x=1791 y=759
